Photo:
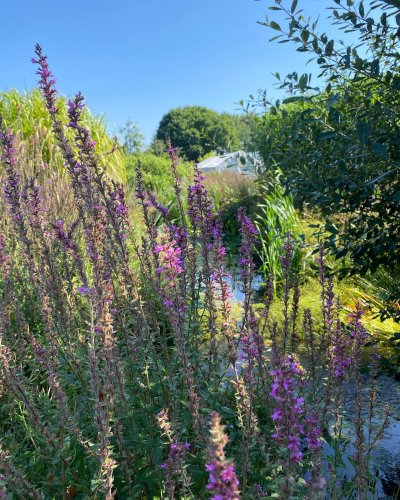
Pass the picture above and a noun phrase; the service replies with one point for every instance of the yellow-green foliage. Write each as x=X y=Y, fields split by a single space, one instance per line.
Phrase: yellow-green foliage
x=27 y=114
x=349 y=293
x=157 y=176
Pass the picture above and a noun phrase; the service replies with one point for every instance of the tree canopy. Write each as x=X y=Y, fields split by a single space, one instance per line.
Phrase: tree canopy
x=339 y=148
x=197 y=130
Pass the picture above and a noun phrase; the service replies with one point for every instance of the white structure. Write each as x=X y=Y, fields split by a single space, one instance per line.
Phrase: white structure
x=239 y=161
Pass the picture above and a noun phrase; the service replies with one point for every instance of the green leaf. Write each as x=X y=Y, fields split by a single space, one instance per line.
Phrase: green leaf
x=275 y=26
x=293 y=7
x=303 y=82
x=294 y=99
x=305 y=35
x=331 y=228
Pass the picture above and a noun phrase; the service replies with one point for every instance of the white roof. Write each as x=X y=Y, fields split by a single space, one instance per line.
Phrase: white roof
x=239 y=161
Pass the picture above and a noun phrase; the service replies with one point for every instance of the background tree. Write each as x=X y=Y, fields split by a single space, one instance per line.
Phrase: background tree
x=198 y=130
x=246 y=125
x=132 y=138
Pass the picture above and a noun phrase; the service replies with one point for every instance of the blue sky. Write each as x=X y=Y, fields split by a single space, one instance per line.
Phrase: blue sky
x=138 y=59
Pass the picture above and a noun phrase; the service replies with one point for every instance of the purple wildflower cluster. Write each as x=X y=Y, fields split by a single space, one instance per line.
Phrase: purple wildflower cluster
x=287 y=254
x=345 y=347
x=223 y=482
x=174 y=466
x=176 y=457
x=289 y=408
x=358 y=334
x=246 y=263
x=103 y=356
x=200 y=206
x=153 y=202
x=47 y=80
x=12 y=188
x=313 y=431
x=340 y=351
x=171 y=262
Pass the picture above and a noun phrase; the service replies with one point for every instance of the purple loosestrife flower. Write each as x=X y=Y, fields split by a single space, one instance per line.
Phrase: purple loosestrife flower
x=248 y=232
x=358 y=334
x=174 y=466
x=80 y=175
x=171 y=267
x=313 y=432
x=33 y=202
x=157 y=205
x=65 y=237
x=249 y=341
x=170 y=260
x=83 y=139
x=249 y=328
x=288 y=412
x=201 y=214
x=287 y=254
x=339 y=351
x=139 y=190
x=200 y=206
x=179 y=235
x=118 y=196
x=223 y=482
x=12 y=189
x=47 y=81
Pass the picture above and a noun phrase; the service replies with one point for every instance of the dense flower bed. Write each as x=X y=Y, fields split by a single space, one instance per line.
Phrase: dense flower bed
x=124 y=372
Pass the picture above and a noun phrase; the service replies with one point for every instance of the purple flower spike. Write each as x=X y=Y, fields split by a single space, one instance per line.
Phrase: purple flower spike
x=287 y=378
x=47 y=81
x=222 y=482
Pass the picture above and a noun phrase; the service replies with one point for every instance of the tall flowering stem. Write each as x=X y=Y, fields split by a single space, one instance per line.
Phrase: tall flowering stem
x=286 y=263
x=288 y=377
x=248 y=233
x=223 y=292
x=201 y=215
x=12 y=188
x=171 y=266
x=95 y=208
x=358 y=339
x=175 y=466
x=223 y=482
x=327 y=298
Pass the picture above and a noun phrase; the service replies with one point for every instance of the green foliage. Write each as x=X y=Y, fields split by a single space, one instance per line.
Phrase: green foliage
x=246 y=125
x=157 y=176
x=276 y=217
x=197 y=131
x=27 y=114
x=339 y=149
x=231 y=190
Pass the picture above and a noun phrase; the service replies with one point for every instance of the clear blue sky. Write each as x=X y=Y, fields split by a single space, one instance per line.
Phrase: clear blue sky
x=138 y=59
